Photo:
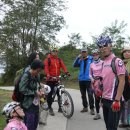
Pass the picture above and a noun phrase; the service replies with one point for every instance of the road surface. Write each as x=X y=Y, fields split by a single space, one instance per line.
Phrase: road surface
x=79 y=121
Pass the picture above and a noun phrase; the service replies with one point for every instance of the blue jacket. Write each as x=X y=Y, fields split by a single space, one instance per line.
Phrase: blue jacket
x=83 y=75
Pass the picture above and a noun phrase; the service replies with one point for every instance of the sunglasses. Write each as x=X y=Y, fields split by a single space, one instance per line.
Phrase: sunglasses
x=106 y=45
x=83 y=51
x=95 y=54
x=54 y=51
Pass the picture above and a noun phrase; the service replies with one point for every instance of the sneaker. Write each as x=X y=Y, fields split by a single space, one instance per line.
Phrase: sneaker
x=123 y=125
x=97 y=117
x=42 y=123
x=51 y=112
x=84 y=110
x=92 y=112
x=60 y=110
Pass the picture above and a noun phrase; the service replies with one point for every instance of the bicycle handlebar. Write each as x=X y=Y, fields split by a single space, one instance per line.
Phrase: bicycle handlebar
x=57 y=78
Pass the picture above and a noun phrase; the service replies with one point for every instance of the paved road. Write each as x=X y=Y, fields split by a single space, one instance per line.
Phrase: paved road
x=79 y=121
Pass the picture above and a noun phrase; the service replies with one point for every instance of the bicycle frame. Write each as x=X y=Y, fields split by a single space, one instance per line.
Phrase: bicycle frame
x=58 y=88
x=64 y=99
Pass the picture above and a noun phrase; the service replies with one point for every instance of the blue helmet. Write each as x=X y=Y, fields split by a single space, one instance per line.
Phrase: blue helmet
x=103 y=41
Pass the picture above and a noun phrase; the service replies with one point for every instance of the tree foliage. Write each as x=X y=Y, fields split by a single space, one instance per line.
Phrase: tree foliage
x=116 y=32
x=29 y=25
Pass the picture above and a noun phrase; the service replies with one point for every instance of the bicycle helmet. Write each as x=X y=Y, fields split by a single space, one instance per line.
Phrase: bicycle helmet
x=104 y=40
x=47 y=89
x=9 y=108
x=95 y=51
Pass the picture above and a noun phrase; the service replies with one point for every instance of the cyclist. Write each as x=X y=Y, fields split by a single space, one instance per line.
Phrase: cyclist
x=95 y=74
x=53 y=65
x=14 y=113
x=83 y=61
x=112 y=91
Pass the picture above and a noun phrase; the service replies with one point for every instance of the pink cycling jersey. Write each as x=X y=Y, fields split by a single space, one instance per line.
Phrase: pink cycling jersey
x=109 y=78
x=15 y=124
x=95 y=69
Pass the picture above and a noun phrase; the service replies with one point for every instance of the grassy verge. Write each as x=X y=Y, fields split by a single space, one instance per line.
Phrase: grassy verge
x=5 y=96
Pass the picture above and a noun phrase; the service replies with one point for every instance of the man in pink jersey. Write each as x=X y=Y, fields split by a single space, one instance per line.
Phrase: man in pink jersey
x=95 y=76
x=112 y=85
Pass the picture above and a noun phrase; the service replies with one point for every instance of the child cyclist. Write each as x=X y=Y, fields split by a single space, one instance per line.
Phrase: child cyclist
x=14 y=113
x=95 y=71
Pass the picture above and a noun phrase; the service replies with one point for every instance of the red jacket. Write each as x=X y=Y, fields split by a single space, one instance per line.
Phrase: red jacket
x=55 y=66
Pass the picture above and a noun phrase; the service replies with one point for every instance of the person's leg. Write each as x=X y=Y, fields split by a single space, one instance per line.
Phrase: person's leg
x=124 y=115
x=30 y=120
x=111 y=118
x=90 y=96
x=97 y=105
x=105 y=112
x=59 y=102
x=83 y=95
x=49 y=99
x=36 y=120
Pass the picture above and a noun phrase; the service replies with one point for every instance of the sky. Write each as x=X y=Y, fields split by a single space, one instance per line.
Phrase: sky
x=89 y=17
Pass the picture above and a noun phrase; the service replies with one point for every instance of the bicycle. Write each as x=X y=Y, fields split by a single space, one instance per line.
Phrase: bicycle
x=66 y=101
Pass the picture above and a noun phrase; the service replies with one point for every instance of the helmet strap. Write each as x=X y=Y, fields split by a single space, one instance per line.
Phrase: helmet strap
x=18 y=115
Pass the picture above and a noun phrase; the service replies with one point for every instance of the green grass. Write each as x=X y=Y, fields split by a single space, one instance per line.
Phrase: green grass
x=5 y=97
x=71 y=84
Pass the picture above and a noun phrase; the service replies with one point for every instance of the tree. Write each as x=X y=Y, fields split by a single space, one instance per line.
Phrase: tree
x=75 y=39
x=28 y=26
x=115 y=31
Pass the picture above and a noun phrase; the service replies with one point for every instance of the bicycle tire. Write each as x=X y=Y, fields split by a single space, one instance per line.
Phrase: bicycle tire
x=66 y=105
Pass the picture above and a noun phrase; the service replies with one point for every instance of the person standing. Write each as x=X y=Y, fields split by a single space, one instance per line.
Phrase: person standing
x=112 y=85
x=31 y=90
x=125 y=113
x=83 y=61
x=53 y=65
x=95 y=76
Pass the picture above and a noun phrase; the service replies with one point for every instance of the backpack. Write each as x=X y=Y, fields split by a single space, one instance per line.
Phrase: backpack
x=126 y=92
x=49 y=61
x=17 y=95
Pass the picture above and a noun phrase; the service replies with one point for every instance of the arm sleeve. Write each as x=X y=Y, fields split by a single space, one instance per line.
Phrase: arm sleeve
x=120 y=67
x=26 y=86
x=91 y=73
x=63 y=66
x=76 y=62
x=46 y=67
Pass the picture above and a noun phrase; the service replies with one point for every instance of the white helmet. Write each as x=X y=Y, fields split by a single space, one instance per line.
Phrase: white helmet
x=8 y=108
x=95 y=51
x=47 y=89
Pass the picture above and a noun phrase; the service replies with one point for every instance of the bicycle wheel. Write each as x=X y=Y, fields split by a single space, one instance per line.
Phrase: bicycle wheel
x=67 y=104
